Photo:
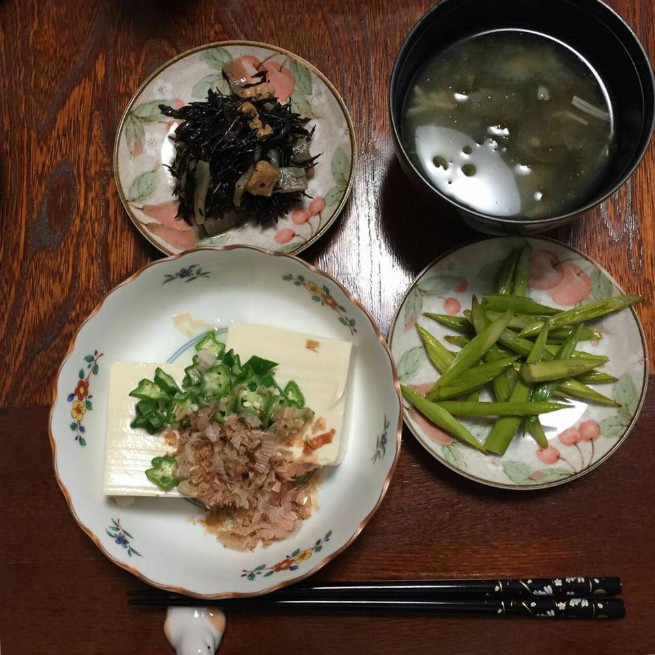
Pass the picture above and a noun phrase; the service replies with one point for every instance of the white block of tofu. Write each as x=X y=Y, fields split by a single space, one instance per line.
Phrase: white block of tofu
x=129 y=451
x=320 y=368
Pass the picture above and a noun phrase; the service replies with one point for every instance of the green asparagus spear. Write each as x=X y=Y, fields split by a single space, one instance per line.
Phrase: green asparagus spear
x=522 y=346
x=584 y=313
x=470 y=380
x=520 y=321
x=458 y=322
x=555 y=369
x=441 y=418
x=575 y=389
x=464 y=408
x=543 y=392
x=561 y=334
x=552 y=349
x=536 y=429
x=501 y=386
x=505 y=428
x=595 y=377
x=522 y=272
x=438 y=354
x=457 y=340
x=506 y=277
x=502 y=303
x=473 y=352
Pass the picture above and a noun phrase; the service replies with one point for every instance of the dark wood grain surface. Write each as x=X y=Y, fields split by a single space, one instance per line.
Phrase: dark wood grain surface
x=67 y=70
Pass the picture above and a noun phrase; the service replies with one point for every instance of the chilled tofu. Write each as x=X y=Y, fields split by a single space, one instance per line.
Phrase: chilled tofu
x=129 y=451
x=319 y=366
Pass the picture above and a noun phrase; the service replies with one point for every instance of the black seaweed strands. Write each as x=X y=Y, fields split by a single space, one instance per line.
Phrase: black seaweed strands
x=240 y=156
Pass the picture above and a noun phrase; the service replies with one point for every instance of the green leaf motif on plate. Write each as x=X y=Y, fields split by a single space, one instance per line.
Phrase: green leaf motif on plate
x=626 y=394
x=300 y=105
x=142 y=187
x=613 y=427
x=134 y=134
x=149 y=111
x=216 y=57
x=518 y=472
x=340 y=167
x=543 y=476
x=410 y=362
x=302 y=77
x=413 y=308
x=334 y=195
x=289 y=248
x=211 y=81
x=451 y=454
x=437 y=286
x=601 y=285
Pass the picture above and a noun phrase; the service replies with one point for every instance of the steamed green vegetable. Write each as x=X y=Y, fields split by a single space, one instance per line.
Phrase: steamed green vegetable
x=505 y=428
x=465 y=408
x=473 y=351
x=506 y=277
x=584 y=313
x=523 y=384
x=496 y=302
x=441 y=418
x=522 y=271
x=471 y=380
x=438 y=354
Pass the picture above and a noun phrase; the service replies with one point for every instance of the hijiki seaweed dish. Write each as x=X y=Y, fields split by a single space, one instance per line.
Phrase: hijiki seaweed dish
x=239 y=156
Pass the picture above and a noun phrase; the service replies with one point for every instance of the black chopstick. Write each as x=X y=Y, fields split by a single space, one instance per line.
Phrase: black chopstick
x=515 y=588
x=578 y=586
x=583 y=608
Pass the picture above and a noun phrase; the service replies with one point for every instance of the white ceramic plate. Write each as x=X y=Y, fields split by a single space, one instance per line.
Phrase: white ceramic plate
x=142 y=147
x=156 y=315
x=581 y=437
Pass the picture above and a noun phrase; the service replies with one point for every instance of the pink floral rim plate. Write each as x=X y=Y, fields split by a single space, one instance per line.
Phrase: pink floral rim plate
x=179 y=298
x=581 y=437
x=142 y=148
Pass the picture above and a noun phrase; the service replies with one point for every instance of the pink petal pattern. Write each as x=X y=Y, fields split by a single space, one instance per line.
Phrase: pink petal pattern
x=181 y=239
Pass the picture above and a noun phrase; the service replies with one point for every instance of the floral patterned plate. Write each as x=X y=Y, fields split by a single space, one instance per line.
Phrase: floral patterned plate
x=142 y=148
x=177 y=299
x=581 y=437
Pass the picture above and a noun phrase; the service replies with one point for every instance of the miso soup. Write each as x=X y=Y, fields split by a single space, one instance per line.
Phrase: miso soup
x=510 y=123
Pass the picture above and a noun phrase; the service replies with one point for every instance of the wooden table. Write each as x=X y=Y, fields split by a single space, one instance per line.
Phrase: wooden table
x=67 y=70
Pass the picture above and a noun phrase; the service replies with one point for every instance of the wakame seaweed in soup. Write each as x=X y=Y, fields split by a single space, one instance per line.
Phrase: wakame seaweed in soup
x=510 y=123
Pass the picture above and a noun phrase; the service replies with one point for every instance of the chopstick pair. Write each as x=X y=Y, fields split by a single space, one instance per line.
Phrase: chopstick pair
x=577 y=597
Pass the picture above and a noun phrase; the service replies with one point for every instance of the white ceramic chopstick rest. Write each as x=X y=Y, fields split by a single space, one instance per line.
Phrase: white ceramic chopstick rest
x=194 y=630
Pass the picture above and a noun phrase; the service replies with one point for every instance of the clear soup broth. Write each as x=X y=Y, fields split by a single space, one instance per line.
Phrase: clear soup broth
x=510 y=123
